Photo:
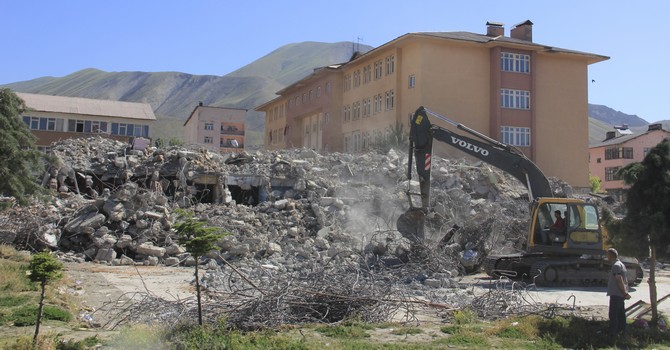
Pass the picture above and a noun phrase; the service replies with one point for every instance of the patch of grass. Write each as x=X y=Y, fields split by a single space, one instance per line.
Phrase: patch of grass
x=407 y=330
x=27 y=315
x=343 y=331
x=8 y=252
x=450 y=329
x=466 y=339
x=14 y=300
x=191 y=336
x=465 y=316
x=52 y=341
x=13 y=277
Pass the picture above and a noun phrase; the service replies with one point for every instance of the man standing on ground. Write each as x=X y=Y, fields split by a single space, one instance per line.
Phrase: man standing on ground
x=617 y=290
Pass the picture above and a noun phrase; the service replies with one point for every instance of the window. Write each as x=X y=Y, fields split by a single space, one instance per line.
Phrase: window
x=95 y=127
x=357 y=78
x=328 y=87
x=517 y=99
x=35 y=123
x=311 y=94
x=390 y=64
x=611 y=173
x=209 y=126
x=122 y=129
x=378 y=69
x=390 y=100
x=356 y=110
x=366 y=107
x=515 y=136
x=618 y=153
x=376 y=104
x=514 y=62
x=367 y=74
x=411 y=82
x=645 y=151
x=137 y=130
x=318 y=91
x=346 y=113
x=209 y=139
x=347 y=82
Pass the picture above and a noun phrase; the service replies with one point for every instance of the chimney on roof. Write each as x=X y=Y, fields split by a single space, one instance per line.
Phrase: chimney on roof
x=494 y=29
x=657 y=126
x=523 y=31
x=200 y=103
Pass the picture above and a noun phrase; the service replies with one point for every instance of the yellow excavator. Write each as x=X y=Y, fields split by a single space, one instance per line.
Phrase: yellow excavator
x=572 y=254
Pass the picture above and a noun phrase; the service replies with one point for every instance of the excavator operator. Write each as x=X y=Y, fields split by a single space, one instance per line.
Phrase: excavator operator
x=557 y=229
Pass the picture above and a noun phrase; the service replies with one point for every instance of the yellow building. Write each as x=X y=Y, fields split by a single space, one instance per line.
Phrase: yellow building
x=529 y=95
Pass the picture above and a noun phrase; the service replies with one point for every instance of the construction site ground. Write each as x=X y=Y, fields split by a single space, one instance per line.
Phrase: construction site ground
x=100 y=287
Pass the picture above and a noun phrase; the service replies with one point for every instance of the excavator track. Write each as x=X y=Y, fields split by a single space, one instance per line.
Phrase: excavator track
x=553 y=271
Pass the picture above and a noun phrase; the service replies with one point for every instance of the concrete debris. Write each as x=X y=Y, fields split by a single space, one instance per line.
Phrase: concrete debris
x=287 y=209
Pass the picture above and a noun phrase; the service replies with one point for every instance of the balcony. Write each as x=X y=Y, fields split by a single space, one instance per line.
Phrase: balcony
x=231 y=130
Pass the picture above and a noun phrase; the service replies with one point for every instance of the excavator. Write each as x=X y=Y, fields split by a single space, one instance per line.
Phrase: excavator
x=573 y=255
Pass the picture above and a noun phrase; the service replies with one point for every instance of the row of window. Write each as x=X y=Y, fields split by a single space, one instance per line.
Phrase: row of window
x=515 y=136
x=224 y=128
x=618 y=153
x=516 y=99
x=386 y=66
x=308 y=96
x=85 y=126
x=514 y=62
x=223 y=142
x=369 y=106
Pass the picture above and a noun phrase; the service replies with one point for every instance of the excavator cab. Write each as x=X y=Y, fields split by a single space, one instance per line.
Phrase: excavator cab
x=581 y=232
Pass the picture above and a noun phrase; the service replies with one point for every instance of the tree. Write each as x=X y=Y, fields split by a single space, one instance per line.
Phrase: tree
x=198 y=239
x=43 y=268
x=648 y=207
x=19 y=159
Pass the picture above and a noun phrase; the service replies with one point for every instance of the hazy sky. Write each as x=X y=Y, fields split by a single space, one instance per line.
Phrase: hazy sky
x=59 y=37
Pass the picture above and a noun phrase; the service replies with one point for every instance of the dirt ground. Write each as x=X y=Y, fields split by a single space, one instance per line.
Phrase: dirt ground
x=98 y=288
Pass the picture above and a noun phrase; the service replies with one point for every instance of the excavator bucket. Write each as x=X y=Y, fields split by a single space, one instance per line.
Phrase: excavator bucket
x=411 y=224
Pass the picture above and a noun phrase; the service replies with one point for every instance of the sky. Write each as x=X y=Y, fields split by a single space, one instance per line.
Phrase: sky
x=207 y=37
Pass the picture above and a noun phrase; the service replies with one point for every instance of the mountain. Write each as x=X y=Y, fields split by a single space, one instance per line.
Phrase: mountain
x=174 y=95
x=613 y=117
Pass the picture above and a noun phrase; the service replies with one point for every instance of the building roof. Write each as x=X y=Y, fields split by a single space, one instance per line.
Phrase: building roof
x=623 y=138
x=88 y=106
x=210 y=107
x=493 y=41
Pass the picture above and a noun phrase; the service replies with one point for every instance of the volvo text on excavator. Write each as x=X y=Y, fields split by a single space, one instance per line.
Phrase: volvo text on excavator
x=573 y=254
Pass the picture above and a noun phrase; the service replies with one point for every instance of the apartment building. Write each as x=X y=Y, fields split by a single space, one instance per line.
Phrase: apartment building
x=620 y=148
x=52 y=118
x=529 y=95
x=216 y=128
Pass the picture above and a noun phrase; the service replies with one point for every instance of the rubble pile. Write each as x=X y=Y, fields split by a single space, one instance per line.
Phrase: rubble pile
x=290 y=210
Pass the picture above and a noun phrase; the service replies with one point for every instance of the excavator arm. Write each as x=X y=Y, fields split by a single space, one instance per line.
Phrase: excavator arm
x=505 y=157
